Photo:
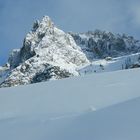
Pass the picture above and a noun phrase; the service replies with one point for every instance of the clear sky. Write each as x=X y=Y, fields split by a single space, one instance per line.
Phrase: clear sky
x=17 y=16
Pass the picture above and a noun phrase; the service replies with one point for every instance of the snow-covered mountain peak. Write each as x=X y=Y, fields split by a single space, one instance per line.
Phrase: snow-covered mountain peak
x=43 y=25
x=47 y=21
x=40 y=29
x=49 y=53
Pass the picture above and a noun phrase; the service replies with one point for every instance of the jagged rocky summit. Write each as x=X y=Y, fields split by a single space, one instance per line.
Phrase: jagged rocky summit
x=48 y=53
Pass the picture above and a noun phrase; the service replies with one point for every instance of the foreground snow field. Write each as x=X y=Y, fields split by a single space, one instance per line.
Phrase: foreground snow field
x=81 y=108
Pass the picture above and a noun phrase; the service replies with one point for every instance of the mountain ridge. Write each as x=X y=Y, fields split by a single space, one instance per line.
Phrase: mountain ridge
x=48 y=53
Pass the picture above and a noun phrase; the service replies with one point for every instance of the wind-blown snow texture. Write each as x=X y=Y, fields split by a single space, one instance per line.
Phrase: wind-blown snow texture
x=49 y=54
x=73 y=109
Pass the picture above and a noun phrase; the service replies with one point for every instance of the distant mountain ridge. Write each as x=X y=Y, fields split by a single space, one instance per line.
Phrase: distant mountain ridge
x=48 y=53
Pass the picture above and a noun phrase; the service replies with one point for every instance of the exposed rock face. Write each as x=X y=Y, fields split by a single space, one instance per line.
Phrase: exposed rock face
x=101 y=44
x=34 y=37
x=50 y=73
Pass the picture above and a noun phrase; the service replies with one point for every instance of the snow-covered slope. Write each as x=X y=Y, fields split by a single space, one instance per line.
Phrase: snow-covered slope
x=112 y=64
x=48 y=53
x=119 y=122
x=77 y=108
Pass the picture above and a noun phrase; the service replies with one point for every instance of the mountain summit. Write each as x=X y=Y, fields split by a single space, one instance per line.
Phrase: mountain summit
x=48 y=53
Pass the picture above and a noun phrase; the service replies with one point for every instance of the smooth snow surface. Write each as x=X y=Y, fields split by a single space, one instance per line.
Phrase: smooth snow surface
x=81 y=108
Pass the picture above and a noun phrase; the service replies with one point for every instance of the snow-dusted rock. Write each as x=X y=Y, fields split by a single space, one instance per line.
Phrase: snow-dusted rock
x=101 y=44
x=44 y=47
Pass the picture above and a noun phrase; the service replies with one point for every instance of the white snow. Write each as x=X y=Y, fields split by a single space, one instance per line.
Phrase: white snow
x=115 y=64
x=78 y=108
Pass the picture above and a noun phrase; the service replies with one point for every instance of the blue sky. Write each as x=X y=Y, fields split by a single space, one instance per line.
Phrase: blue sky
x=17 y=16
